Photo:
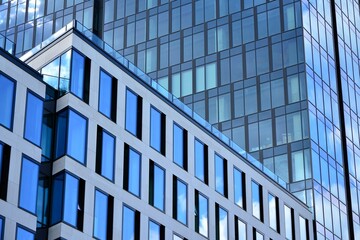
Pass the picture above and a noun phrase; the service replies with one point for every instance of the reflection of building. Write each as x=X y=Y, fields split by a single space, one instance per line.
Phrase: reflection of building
x=103 y=151
x=278 y=77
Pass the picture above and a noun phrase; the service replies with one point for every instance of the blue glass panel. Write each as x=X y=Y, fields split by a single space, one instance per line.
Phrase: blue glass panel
x=131 y=112
x=181 y=201
x=1 y=227
x=238 y=188
x=199 y=160
x=155 y=129
x=71 y=200
x=77 y=134
x=28 y=185
x=203 y=215
x=105 y=94
x=178 y=145
x=134 y=172
x=6 y=101
x=223 y=224
x=219 y=175
x=33 y=122
x=107 y=156
x=100 y=215
x=255 y=191
x=61 y=134
x=128 y=227
x=22 y=234
x=154 y=231
x=159 y=187
x=57 y=198
x=77 y=74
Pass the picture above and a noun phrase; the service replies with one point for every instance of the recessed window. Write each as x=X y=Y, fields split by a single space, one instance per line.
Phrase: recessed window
x=130 y=224
x=179 y=200
x=201 y=161
x=304 y=228
x=33 y=118
x=274 y=212
x=221 y=216
x=28 y=185
x=68 y=200
x=7 y=99
x=105 y=154
x=108 y=95
x=180 y=146
x=201 y=214
x=157 y=186
x=132 y=170
x=257 y=235
x=4 y=169
x=221 y=175
x=157 y=130
x=289 y=220
x=240 y=229
x=256 y=197
x=24 y=233
x=2 y=220
x=133 y=113
x=239 y=188
x=71 y=137
x=156 y=231
x=103 y=215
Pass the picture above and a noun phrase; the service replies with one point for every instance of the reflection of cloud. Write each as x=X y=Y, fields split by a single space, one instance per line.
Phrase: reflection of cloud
x=219 y=183
x=272 y=213
x=223 y=234
x=256 y=209
x=239 y=200
x=153 y=234
x=203 y=225
x=182 y=203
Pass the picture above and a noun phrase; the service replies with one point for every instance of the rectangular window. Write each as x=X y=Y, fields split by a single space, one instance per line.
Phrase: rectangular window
x=71 y=135
x=7 y=99
x=80 y=75
x=105 y=154
x=157 y=130
x=133 y=113
x=221 y=216
x=68 y=200
x=256 y=197
x=24 y=233
x=103 y=215
x=179 y=200
x=257 y=235
x=221 y=175
x=130 y=224
x=180 y=146
x=156 y=231
x=201 y=214
x=28 y=185
x=2 y=227
x=33 y=118
x=108 y=95
x=304 y=228
x=4 y=169
x=157 y=186
x=201 y=161
x=240 y=229
x=132 y=170
x=239 y=188
x=289 y=217
x=274 y=212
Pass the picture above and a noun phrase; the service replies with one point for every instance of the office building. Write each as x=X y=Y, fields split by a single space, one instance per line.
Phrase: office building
x=280 y=78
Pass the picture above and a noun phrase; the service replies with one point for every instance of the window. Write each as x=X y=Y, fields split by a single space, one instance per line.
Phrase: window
x=257 y=235
x=4 y=169
x=180 y=200
x=274 y=212
x=221 y=175
x=107 y=95
x=105 y=154
x=2 y=227
x=289 y=215
x=80 y=75
x=130 y=224
x=71 y=137
x=28 y=185
x=68 y=200
x=22 y=233
x=239 y=188
x=240 y=229
x=304 y=229
x=221 y=217
x=33 y=118
x=103 y=215
x=180 y=146
x=133 y=113
x=157 y=186
x=157 y=130
x=256 y=197
x=156 y=231
x=201 y=161
x=201 y=214
x=7 y=87
x=132 y=170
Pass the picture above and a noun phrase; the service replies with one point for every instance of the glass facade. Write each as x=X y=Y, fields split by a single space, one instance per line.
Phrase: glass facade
x=180 y=200
x=102 y=216
x=133 y=112
x=28 y=185
x=180 y=146
x=221 y=175
x=157 y=130
x=157 y=186
x=33 y=119
x=107 y=95
x=105 y=158
x=24 y=234
x=201 y=214
x=201 y=161
x=132 y=171
x=131 y=224
x=7 y=101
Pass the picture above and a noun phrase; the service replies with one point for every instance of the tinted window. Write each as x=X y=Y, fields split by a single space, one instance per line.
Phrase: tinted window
x=256 y=200
x=131 y=224
x=33 y=121
x=157 y=130
x=221 y=223
x=180 y=201
x=132 y=171
x=238 y=188
x=100 y=215
x=220 y=175
x=201 y=161
x=28 y=185
x=180 y=146
x=157 y=186
x=23 y=234
x=6 y=101
x=133 y=113
x=105 y=154
x=77 y=84
x=107 y=95
x=201 y=214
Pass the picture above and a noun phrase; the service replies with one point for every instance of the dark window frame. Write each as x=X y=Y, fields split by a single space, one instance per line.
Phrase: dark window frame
x=162 y=130
x=114 y=88
x=138 y=116
x=109 y=214
x=126 y=169
x=184 y=146
x=99 y=151
x=13 y=102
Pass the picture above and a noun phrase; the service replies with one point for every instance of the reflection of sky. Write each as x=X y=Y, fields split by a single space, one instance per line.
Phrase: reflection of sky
x=223 y=228
x=154 y=231
x=182 y=207
x=272 y=212
x=203 y=225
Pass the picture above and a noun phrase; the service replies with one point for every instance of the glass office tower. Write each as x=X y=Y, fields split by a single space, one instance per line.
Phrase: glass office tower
x=281 y=78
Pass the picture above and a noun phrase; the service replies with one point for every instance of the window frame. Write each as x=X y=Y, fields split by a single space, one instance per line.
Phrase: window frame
x=139 y=111
x=109 y=214
x=18 y=225
x=126 y=169
x=162 y=131
x=99 y=152
x=152 y=166
x=176 y=180
x=243 y=187
x=136 y=223
x=184 y=146
x=224 y=173
x=205 y=161
x=113 y=99
x=10 y=128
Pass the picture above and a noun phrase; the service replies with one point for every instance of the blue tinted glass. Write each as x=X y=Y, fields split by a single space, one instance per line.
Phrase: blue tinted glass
x=22 y=234
x=100 y=215
x=199 y=160
x=203 y=215
x=223 y=224
x=6 y=101
x=1 y=158
x=131 y=112
x=255 y=191
x=33 y=122
x=178 y=146
x=105 y=94
x=1 y=227
x=134 y=172
x=61 y=134
x=181 y=201
x=28 y=185
x=71 y=199
x=154 y=231
x=219 y=175
x=128 y=227
x=155 y=129
x=107 y=156
x=159 y=187
x=238 y=189
x=57 y=198
x=76 y=146
x=77 y=74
